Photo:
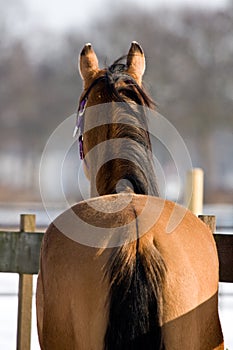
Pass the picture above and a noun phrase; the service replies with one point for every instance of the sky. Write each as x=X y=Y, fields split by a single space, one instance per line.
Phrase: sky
x=60 y=15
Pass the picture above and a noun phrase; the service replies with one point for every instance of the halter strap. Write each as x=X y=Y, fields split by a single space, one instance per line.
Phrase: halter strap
x=79 y=127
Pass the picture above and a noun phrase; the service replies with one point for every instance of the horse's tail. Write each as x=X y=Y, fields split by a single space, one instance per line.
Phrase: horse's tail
x=136 y=272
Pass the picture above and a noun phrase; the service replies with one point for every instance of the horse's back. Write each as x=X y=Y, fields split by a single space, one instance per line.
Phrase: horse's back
x=73 y=290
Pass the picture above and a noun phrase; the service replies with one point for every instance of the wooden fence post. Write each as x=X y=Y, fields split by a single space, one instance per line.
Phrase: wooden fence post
x=194 y=191
x=27 y=224
x=210 y=221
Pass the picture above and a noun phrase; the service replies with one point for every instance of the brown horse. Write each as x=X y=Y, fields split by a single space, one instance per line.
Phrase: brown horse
x=111 y=276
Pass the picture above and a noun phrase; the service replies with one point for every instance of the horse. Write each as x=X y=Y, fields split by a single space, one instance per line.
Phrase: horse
x=112 y=275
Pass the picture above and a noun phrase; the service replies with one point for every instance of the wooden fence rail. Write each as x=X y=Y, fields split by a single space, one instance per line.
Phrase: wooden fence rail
x=20 y=251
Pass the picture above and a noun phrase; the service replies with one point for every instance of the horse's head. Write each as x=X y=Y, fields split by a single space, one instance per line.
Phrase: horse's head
x=90 y=71
x=113 y=96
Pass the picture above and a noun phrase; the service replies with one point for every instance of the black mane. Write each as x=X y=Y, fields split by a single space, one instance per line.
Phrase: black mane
x=118 y=72
x=132 y=125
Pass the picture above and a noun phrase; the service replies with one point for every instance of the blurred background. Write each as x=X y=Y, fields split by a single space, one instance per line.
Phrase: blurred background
x=189 y=49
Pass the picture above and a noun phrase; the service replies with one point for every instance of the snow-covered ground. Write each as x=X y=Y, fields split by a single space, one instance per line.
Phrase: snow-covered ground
x=8 y=313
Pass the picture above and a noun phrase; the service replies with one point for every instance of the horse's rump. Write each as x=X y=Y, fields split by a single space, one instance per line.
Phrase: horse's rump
x=97 y=296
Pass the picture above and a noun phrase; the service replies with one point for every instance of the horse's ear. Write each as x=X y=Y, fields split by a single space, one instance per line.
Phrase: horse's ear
x=88 y=63
x=136 y=62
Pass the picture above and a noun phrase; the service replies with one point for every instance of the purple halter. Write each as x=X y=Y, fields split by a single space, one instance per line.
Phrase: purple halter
x=79 y=128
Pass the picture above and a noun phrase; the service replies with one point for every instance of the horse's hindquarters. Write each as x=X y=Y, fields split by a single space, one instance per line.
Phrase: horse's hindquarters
x=197 y=329
x=71 y=304
x=73 y=291
x=191 y=319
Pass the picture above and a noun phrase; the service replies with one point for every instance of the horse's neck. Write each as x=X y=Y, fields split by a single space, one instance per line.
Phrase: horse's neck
x=122 y=162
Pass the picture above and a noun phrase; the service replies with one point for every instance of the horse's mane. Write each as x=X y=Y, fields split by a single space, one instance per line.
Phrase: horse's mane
x=116 y=73
x=122 y=88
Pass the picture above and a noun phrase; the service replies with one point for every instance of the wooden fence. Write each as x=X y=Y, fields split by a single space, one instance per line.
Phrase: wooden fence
x=20 y=251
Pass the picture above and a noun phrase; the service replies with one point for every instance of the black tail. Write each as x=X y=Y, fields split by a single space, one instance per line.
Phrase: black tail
x=136 y=273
